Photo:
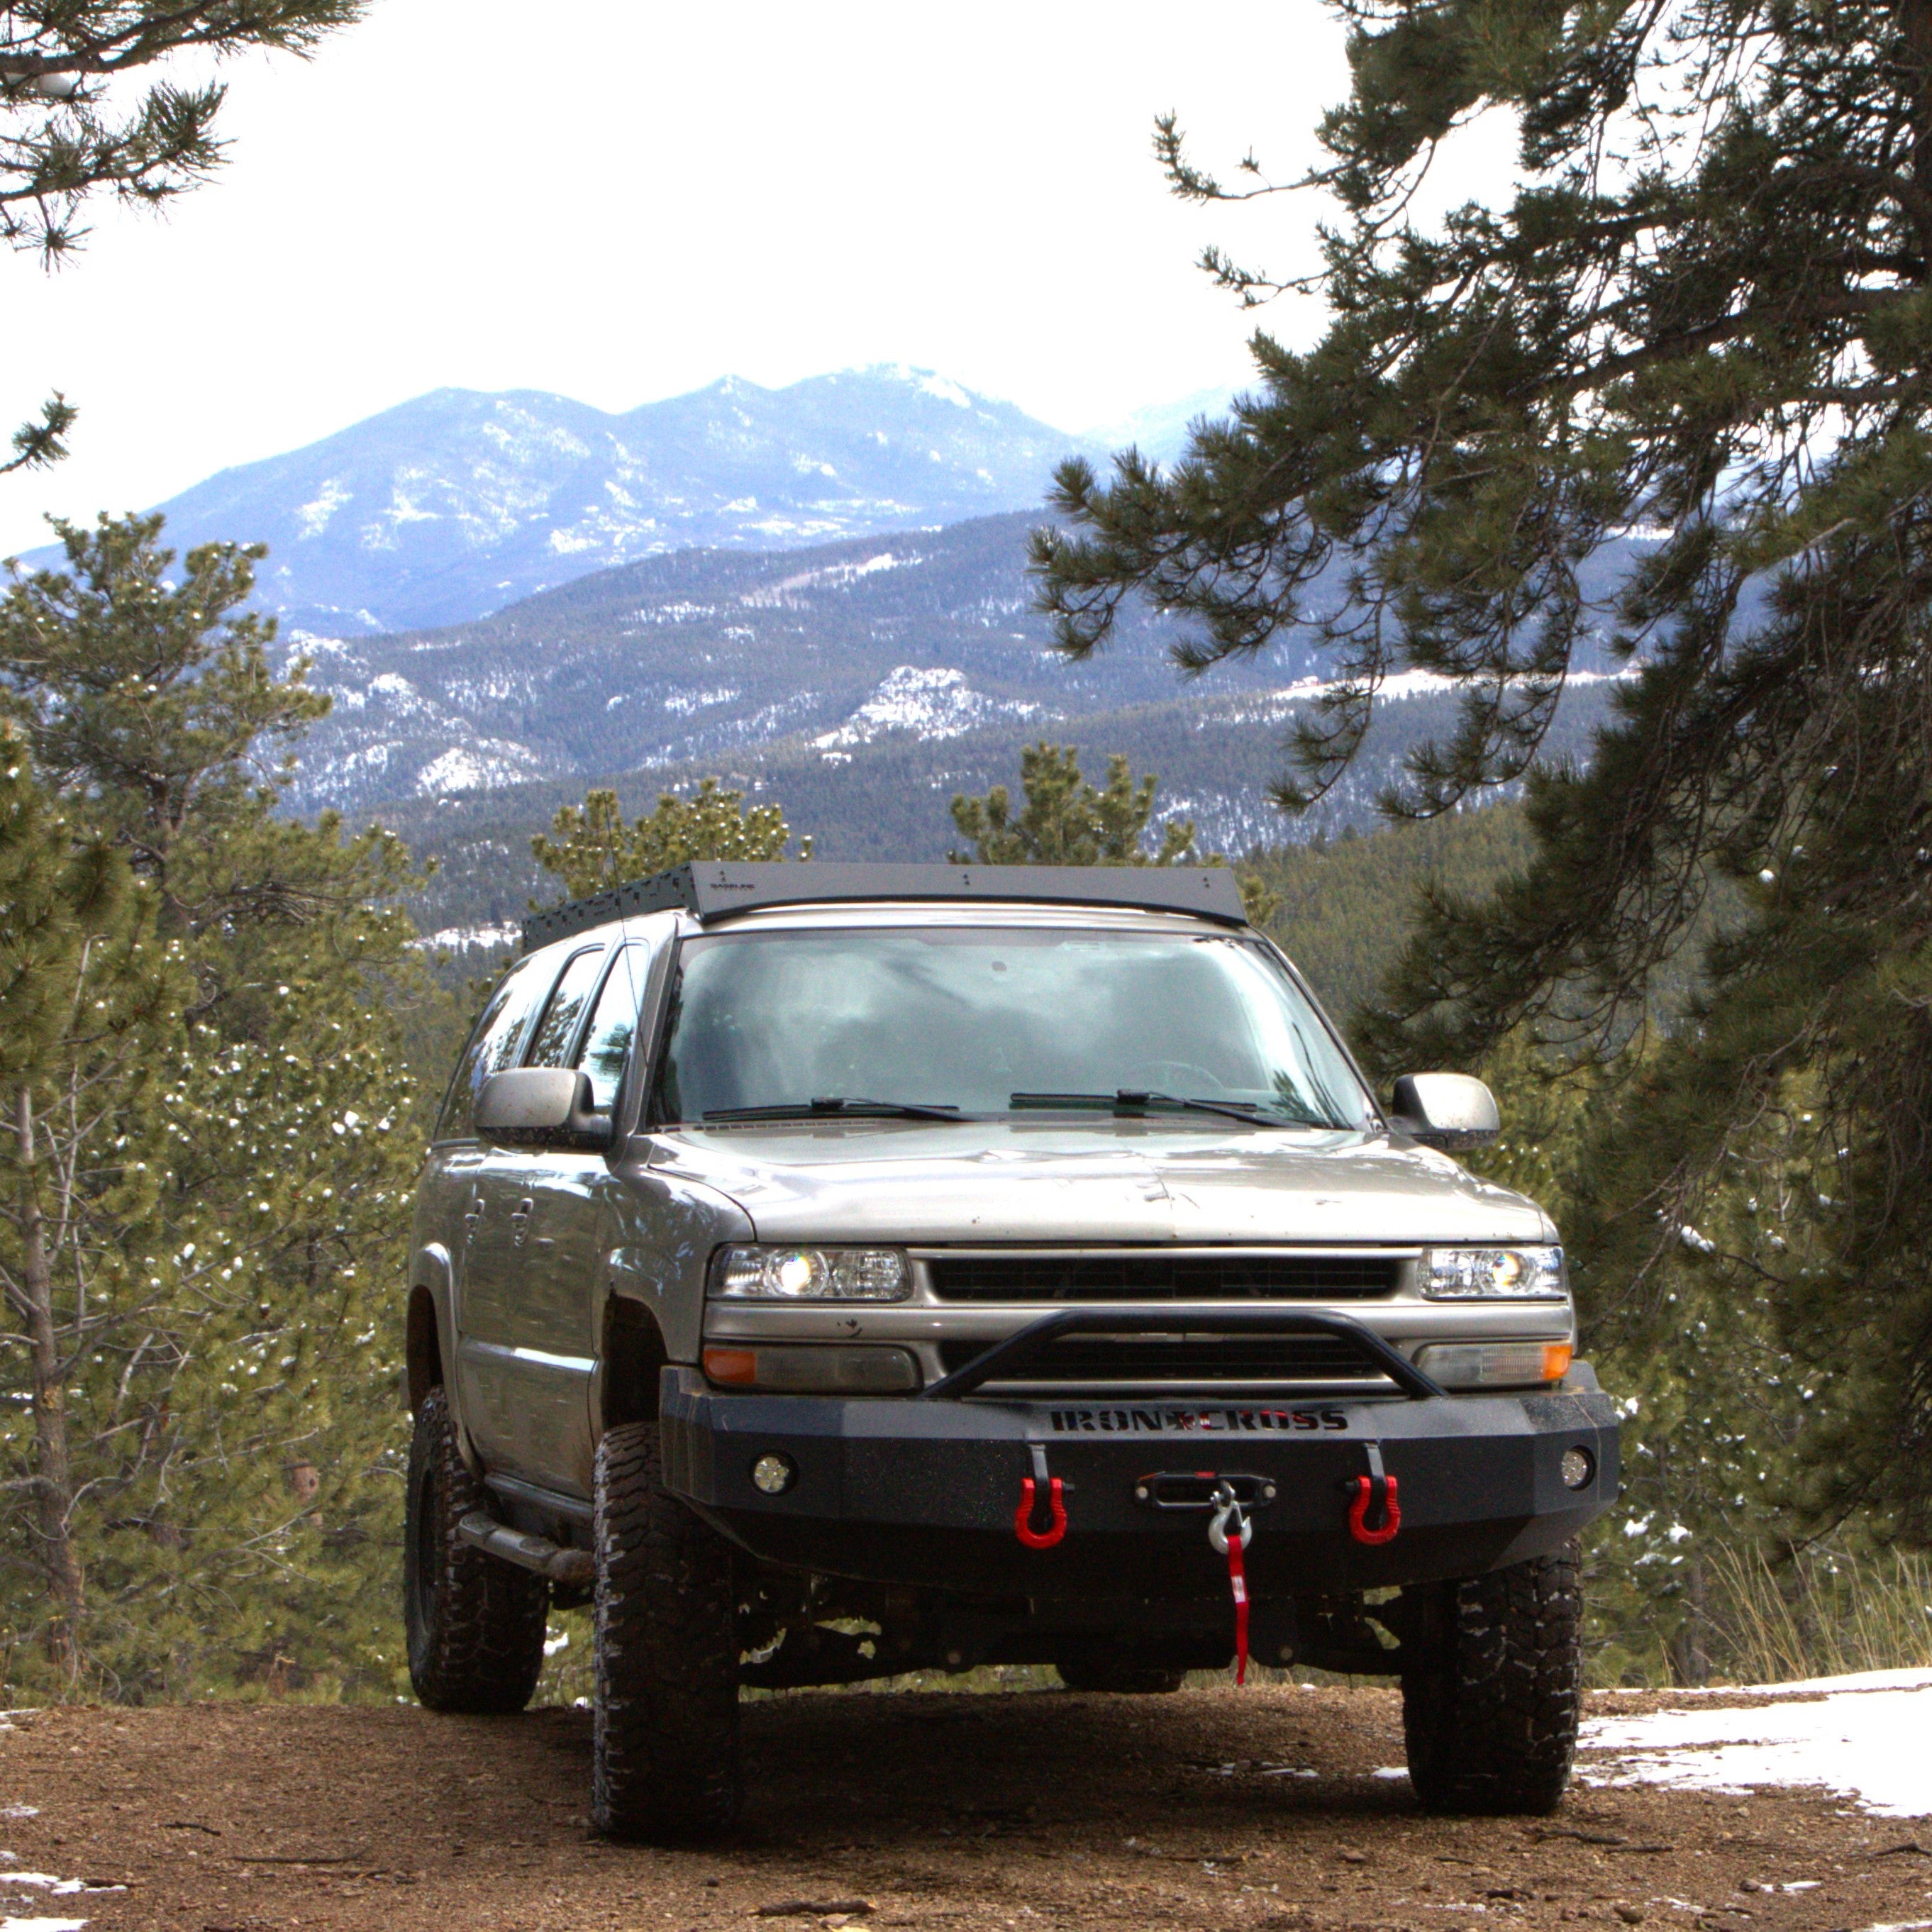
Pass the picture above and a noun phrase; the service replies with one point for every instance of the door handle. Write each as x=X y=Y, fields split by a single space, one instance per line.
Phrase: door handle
x=474 y=1212
x=519 y=1219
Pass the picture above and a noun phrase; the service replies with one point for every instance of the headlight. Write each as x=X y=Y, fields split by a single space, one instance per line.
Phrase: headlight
x=1462 y=1274
x=811 y=1274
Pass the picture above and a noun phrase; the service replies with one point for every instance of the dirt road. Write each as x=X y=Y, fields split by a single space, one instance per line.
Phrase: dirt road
x=1023 y=1811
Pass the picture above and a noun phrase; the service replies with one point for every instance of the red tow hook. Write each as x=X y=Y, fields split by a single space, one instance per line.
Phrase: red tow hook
x=1365 y=1490
x=1030 y=1489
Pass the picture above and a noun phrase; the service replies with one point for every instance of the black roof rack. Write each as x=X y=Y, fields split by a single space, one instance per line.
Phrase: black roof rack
x=715 y=888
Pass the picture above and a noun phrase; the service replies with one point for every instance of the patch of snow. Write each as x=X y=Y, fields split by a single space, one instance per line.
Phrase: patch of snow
x=947 y=392
x=1270 y=705
x=488 y=762
x=936 y=703
x=686 y=702
x=42 y=1924
x=456 y=938
x=831 y=576
x=312 y=517
x=1862 y=1736
x=674 y=613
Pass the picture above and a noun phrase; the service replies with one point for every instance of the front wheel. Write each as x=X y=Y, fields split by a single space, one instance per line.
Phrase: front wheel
x=1491 y=1702
x=474 y=1624
x=665 y=1754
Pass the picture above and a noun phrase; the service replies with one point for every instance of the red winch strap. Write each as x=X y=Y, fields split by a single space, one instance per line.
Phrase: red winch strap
x=1228 y=1529
x=1237 y=1582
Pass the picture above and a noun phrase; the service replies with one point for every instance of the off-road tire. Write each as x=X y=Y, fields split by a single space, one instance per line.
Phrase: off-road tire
x=1491 y=1702
x=475 y=1623
x=1101 y=1667
x=665 y=1759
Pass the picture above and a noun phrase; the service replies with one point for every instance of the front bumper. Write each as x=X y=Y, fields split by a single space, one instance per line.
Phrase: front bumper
x=922 y=1494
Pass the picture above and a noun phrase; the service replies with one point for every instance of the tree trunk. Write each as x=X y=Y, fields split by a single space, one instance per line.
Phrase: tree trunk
x=53 y=1486
x=1915 y=24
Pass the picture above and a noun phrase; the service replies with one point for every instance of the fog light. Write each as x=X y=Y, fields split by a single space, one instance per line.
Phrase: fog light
x=1577 y=1469
x=775 y=1475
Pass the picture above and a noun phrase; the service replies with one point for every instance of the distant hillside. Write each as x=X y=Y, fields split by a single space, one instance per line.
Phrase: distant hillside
x=708 y=654
x=1215 y=757
x=829 y=658
x=458 y=503
x=1346 y=902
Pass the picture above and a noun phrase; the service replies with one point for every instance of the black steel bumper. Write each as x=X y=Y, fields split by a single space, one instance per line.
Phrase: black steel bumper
x=924 y=1493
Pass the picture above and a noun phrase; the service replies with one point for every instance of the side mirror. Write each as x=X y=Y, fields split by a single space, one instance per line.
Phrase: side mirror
x=1453 y=1111
x=541 y=1107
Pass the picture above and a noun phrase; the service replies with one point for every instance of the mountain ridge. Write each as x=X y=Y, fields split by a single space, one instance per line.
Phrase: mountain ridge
x=459 y=502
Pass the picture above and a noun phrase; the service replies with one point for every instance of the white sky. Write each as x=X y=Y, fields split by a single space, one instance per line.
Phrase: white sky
x=652 y=196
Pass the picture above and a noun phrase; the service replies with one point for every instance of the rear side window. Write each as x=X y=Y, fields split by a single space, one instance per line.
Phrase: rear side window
x=493 y=1046
x=557 y=1030
x=614 y=1024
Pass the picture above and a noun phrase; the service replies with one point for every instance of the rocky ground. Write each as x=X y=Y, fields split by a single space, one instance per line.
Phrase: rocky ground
x=1259 y=1808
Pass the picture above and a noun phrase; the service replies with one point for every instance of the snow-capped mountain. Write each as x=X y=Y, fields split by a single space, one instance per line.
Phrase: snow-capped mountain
x=458 y=503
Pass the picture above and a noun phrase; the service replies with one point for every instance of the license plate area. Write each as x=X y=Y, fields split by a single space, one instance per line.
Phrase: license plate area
x=1194 y=1490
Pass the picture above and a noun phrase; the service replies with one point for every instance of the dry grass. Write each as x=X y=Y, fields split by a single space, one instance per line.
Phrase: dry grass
x=1819 y=1615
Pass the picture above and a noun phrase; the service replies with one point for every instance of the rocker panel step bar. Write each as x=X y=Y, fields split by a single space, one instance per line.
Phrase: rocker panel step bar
x=577 y=1568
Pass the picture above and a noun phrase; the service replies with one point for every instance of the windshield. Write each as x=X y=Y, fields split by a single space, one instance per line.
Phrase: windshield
x=996 y=1021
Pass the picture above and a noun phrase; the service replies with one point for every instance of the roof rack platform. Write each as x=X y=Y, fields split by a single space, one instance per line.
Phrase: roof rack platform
x=715 y=889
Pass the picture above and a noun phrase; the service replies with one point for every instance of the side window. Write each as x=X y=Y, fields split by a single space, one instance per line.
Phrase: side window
x=607 y=1044
x=493 y=1046
x=558 y=1027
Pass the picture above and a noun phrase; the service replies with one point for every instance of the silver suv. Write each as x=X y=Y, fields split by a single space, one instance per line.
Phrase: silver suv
x=833 y=1271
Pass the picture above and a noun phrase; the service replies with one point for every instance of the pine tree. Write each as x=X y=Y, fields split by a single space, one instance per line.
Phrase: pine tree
x=67 y=133
x=1702 y=316
x=1066 y=822
x=236 y=1198
x=591 y=848
x=87 y=1003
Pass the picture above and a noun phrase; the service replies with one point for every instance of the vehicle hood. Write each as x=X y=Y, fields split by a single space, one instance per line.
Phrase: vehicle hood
x=914 y=1182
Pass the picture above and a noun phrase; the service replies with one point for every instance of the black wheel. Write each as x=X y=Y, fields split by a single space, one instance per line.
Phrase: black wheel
x=1490 y=1705
x=1111 y=1667
x=475 y=1623
x=664 y=1762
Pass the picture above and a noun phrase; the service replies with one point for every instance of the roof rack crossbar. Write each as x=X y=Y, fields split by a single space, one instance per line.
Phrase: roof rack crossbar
x=715 y=889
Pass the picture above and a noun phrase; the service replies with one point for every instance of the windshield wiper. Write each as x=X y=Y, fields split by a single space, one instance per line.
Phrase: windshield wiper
x=832 y=1106
x=1130 y=1101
